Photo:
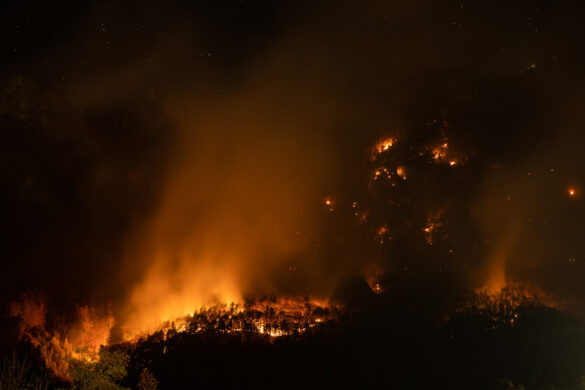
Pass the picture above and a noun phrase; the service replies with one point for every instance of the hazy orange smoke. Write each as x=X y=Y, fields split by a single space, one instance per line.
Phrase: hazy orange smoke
x=59 y=343
x=243 y=183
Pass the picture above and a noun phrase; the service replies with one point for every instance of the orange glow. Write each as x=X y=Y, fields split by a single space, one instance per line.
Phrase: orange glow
x=329 y=203
x=497 y=279
x=432 y=224
x=91 y=331
x=505 y=306
x=401 y=171
x=382 y=172
x=383 y=234
x=383 y=146
x=572 y=192
x=80 y=341
x=444 y=153
x=226 y=217
x=299 y=315
x=374 y=275
x=439 y=151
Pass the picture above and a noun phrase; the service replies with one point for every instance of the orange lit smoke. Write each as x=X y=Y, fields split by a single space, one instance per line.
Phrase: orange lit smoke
x=374 y=276
x=58 y=344
x=234 y=199
x=31 y=309
x=496 y=268
x=506 y=307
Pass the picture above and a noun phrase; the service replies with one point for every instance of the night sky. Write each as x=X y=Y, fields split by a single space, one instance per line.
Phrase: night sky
x=230 y=145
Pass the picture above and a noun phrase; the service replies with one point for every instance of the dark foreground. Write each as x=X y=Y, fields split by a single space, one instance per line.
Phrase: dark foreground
x=499 y=346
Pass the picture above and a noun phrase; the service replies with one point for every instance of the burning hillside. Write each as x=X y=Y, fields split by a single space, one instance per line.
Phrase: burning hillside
x=273 y=318
x=194 y=282
x=237 y=194
x=61 y=344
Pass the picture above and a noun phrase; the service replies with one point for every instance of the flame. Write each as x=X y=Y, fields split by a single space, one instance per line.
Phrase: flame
x=401 y=171
x=506 y=306
x=58 y=345
x=232 y=196
x=91 y=331
x=160 y=298
x=444 y=153
x=382 y=146
x=439 y=151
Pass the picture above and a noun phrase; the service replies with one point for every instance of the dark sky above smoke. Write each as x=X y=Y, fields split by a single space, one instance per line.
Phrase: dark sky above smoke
x=136 y=129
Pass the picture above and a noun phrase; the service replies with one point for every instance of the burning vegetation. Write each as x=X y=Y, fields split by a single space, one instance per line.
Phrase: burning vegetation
x=506 y=307
x=263 y=317
x=63 y=347
x=61 y=343
x=179 y=298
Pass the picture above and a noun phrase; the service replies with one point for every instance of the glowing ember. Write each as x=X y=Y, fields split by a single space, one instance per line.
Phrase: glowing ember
x=383 y=234
x=572 y=191
x=329 y=203
x=382 y=172
x=401 y=171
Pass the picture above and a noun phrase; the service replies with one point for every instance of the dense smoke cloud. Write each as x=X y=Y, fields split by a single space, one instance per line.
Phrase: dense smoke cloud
x=170 y=156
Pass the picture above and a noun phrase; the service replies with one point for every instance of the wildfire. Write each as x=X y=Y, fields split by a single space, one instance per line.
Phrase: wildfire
x=83 y=340
x=58 y=345
x=505 y=307
x=432 y=224
x=444 y=153
x=383 y=146
x=273 y=318
x=440 y=151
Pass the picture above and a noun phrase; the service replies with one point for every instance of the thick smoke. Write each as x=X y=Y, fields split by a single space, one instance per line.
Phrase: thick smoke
x=167 y=157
